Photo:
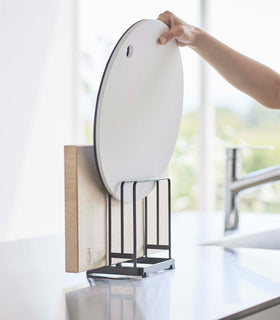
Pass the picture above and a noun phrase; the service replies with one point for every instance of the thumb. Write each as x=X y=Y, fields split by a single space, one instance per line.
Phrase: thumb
x=168 y=36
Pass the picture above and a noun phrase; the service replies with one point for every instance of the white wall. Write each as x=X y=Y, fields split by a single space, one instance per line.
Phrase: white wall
x=36 y=110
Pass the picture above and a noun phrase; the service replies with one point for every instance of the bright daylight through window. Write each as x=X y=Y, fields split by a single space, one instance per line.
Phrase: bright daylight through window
x=239 y=119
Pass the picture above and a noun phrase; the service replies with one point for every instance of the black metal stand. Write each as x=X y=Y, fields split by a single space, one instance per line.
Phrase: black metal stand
x=134 y=266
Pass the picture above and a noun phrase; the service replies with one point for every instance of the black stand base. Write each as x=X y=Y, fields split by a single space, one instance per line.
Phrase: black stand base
x=150 y=265
x=133 y=266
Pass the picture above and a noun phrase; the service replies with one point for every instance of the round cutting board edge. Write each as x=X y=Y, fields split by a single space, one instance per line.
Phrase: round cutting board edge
x=98 y=114
x=96 y=106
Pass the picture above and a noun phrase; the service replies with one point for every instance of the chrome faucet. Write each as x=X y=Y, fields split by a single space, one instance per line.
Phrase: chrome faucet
x=235 y=184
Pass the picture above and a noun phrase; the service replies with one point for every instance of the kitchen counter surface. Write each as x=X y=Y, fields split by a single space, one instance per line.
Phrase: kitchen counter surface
x=208 y=282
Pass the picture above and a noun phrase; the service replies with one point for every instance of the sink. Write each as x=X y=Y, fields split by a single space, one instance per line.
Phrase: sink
x=269 y=239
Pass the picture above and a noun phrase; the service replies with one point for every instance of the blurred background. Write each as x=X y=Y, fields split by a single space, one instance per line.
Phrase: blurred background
x=52 y=57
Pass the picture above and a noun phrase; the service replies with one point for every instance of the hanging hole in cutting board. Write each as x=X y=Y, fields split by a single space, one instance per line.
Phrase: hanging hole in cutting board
x=129 y=51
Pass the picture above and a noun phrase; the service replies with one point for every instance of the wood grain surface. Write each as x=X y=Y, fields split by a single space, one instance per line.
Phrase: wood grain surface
x=86 y=243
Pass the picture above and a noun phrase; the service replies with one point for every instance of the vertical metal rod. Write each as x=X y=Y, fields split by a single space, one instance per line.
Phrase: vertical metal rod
x=233 y=172
x=134 y=226
x=122 y=219
x=157 y=184
x=169 y=216
x=146 y=225
x=110 y=227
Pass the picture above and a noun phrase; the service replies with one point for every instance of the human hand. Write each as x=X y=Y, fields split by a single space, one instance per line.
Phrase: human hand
x=182 y=32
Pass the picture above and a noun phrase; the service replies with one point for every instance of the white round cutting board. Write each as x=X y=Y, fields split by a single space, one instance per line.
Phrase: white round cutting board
x=138 y=109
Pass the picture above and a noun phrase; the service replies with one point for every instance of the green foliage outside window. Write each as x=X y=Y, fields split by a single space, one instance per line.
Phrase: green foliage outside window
x=259 y=126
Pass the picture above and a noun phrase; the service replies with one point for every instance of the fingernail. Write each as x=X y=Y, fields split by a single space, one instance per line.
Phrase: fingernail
x=162 y=40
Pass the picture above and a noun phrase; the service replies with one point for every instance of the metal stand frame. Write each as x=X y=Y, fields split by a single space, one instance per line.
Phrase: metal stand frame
x=132 y=265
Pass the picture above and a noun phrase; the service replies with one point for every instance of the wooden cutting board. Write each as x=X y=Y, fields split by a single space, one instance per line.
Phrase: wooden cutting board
x=86 y=243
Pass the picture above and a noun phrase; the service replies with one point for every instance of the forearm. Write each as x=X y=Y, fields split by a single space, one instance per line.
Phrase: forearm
x=248 y=75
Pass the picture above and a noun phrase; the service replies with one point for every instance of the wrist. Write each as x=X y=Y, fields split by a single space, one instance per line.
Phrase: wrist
x=197 y=36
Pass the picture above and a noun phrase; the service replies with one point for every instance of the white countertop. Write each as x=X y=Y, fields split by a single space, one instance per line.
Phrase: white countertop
x=208 y=282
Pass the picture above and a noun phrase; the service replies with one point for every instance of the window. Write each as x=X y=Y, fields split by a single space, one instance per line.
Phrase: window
x=248 y=26
x=251 y=27
x=100 y=29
